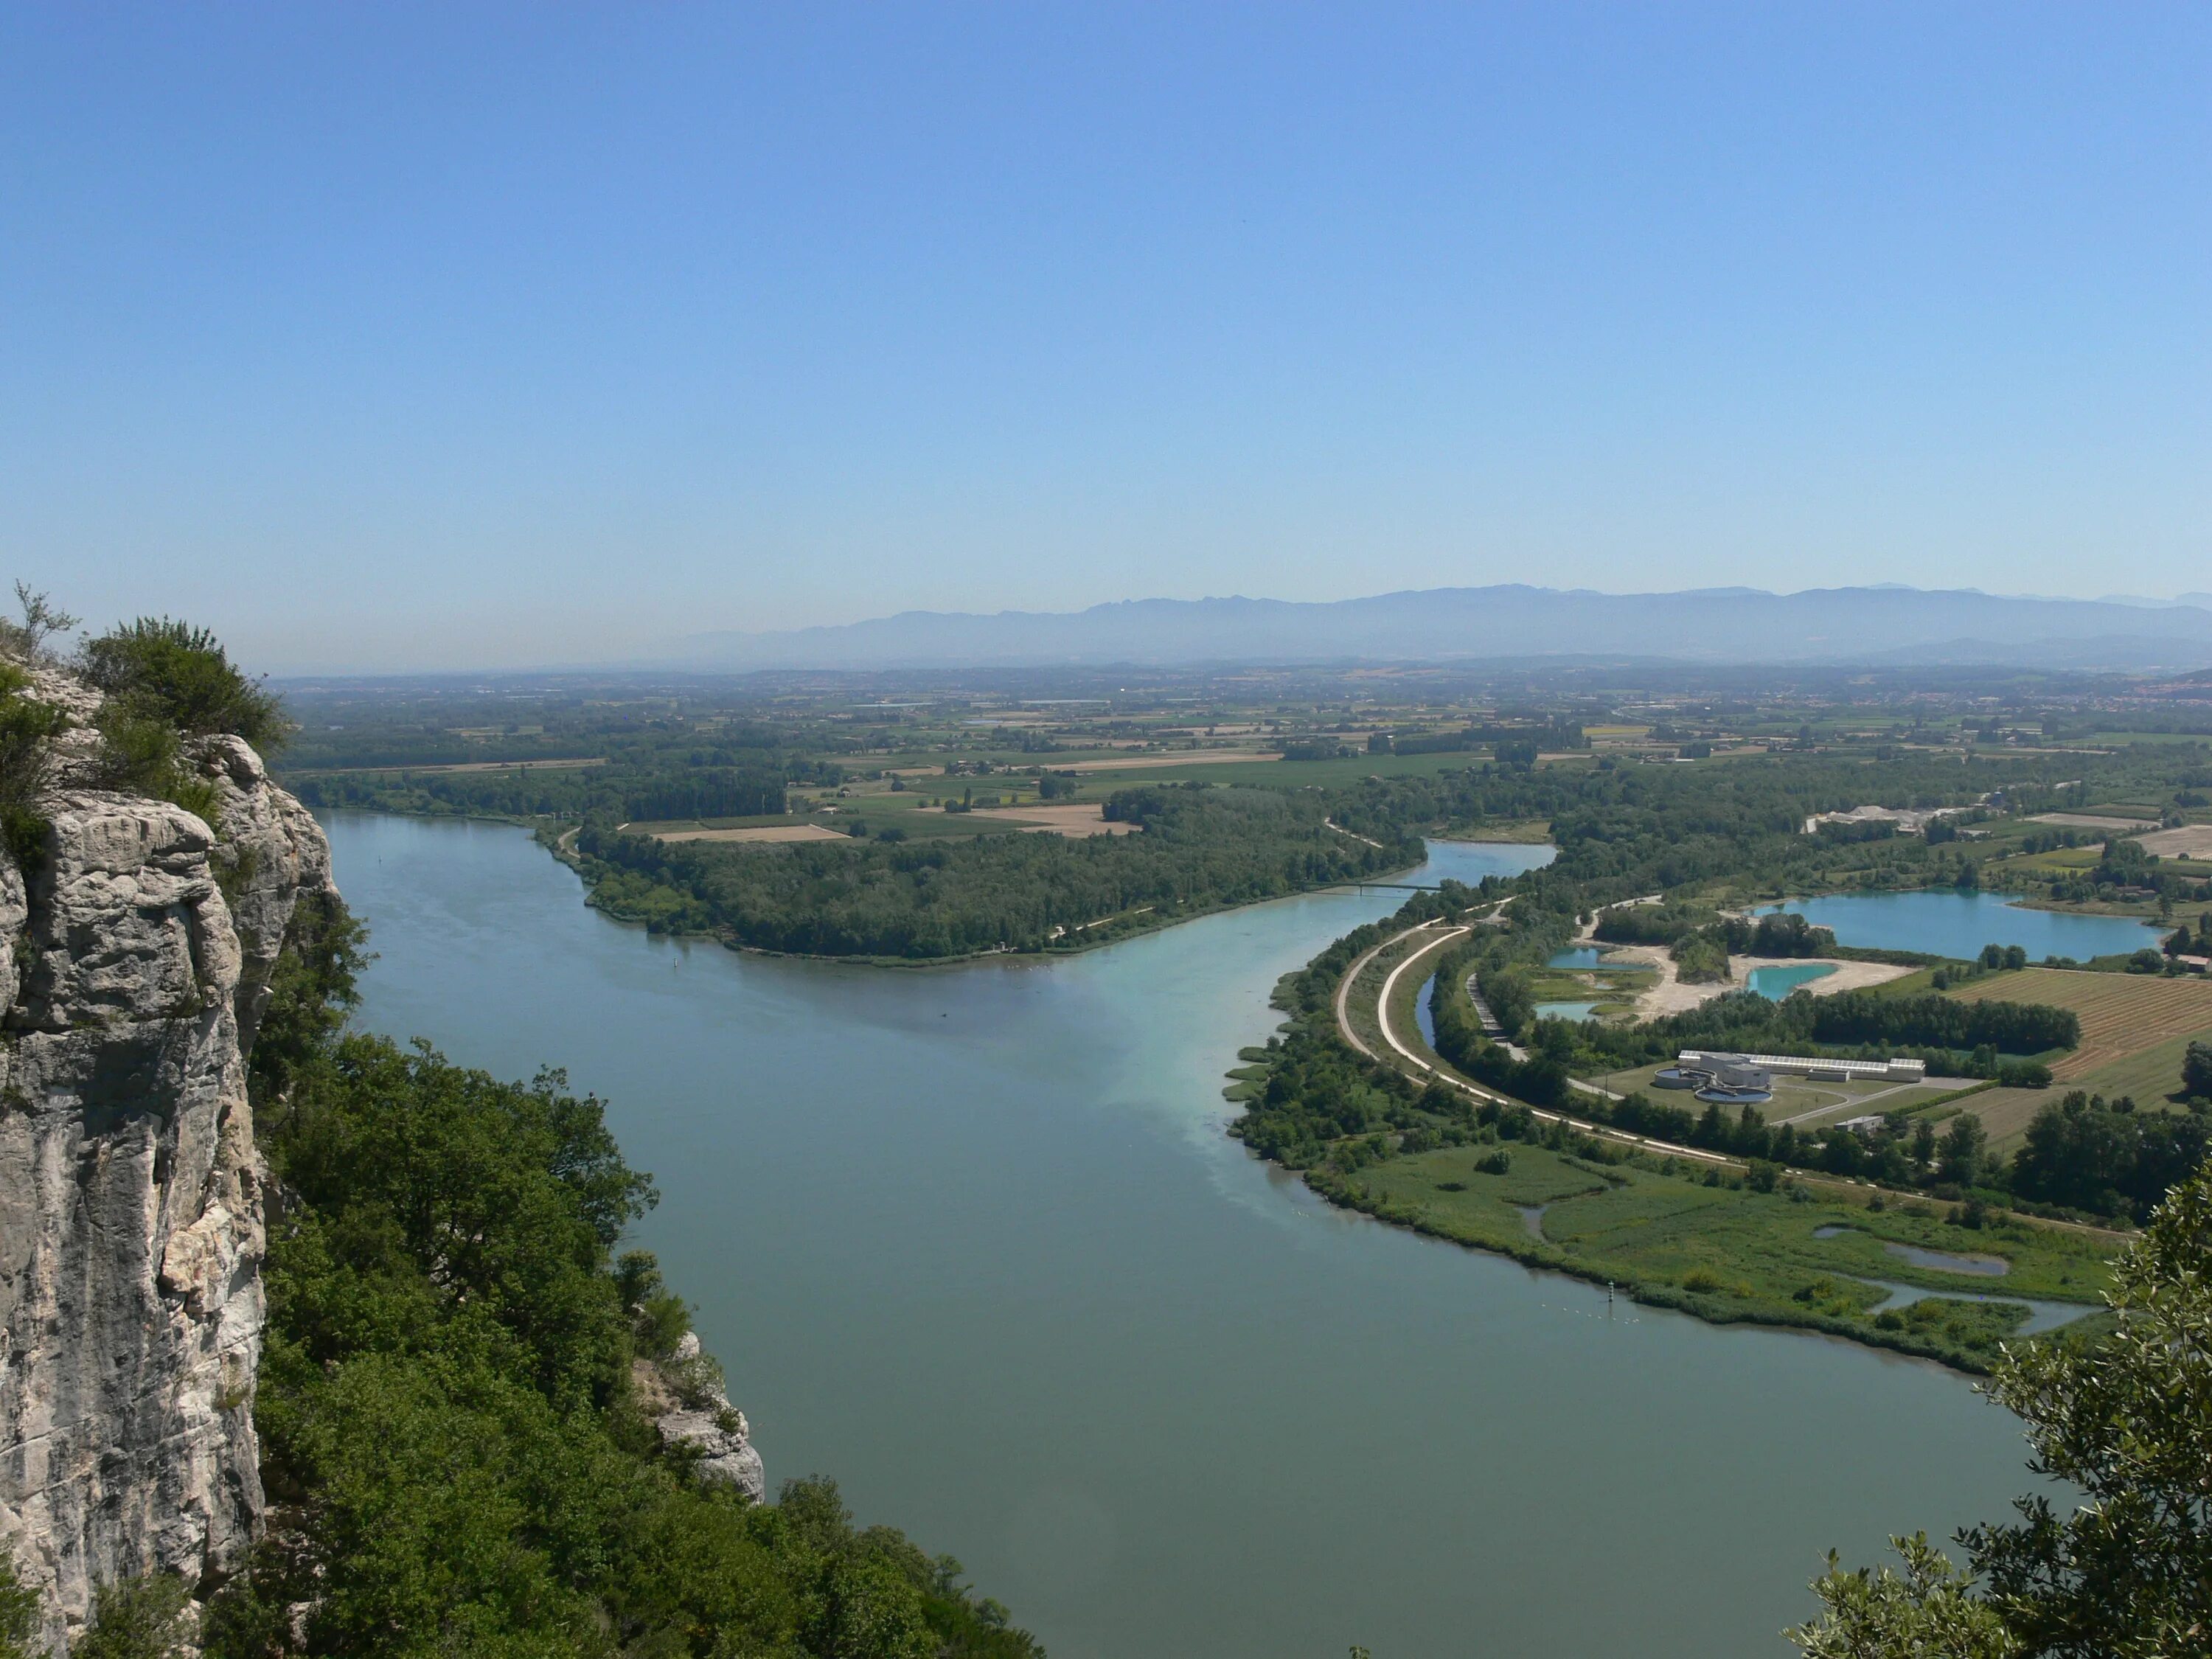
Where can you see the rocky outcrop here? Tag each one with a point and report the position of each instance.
(270, 852)
(136, 953)
(684, 1399)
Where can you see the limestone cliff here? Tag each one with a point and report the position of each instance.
(684, 1399)
(137, 944)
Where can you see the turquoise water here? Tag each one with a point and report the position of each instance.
(1944, 922)
(972, 1241)
(1565, 1010)
(1575, 955)
(1776, 983)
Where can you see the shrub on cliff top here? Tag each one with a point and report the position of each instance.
(25, 640)
(178, 675)
(28, 726)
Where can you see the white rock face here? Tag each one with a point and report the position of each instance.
(691, 1411)
(130, 1209)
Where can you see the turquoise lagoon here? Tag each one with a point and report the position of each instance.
(1776, 983)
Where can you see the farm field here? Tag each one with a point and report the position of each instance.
(2006, 1113)
(759, 832)
(1152, 762)
(1078, 821)
(1262, 771)
(2125, 1017)
(2189, 841)
(567, 765)
(2095, 821)
(2135, 1030)
(877, 811)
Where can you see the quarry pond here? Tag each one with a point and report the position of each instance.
(1946, 922)
(972, 1241)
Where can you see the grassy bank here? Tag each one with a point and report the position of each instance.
(1714, 1248)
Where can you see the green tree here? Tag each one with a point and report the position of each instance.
(18, 1613)
(1924, 1147)
(1929, 1611)
(1963, 1155)
(180, 676)
(137, 1619)
(27, 728)
(2127, 1574)
(2196, 1072)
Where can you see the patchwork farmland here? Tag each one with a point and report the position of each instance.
(2135, 1029)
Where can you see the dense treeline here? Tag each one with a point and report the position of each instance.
(680, 787)
(1932, 1021)
(1627, 831)
(454, 1451)
(1526, 739)
(1197, 848)
(2108, 1158)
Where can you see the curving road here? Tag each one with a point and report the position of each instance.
(1427, 1071)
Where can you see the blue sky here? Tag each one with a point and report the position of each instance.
(391, 336)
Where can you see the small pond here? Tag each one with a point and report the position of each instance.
(1935, 1261)
(1944, 922)
(1575, 955)
(1776, 983)
(1565, 1010)
(1943, 1262)
(1422, 1016)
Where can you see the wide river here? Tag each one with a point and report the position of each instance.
(972, 1241)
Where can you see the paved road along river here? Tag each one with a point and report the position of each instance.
(973, 1242)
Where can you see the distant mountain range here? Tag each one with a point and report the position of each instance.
(1884, 625)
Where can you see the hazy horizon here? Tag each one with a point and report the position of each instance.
(477, 336)
(1688, 627)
